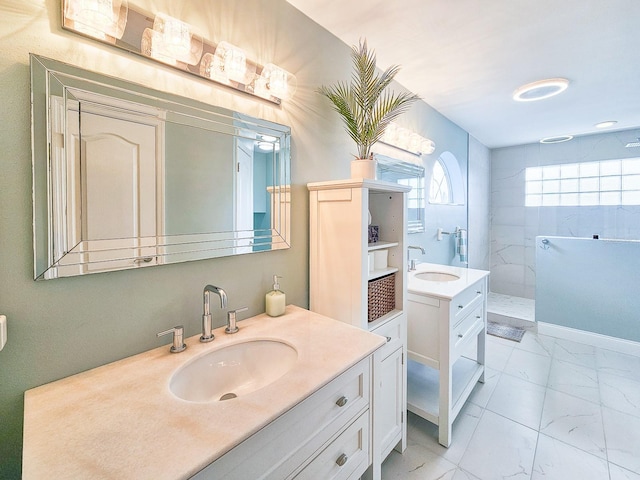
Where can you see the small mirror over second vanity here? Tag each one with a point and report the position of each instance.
(127, 177)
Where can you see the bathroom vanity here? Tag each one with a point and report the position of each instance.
(125, 420)
(447, 318)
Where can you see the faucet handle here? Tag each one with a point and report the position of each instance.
(178, 338)
(231, 320)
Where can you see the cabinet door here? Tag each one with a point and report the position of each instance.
(388, 409)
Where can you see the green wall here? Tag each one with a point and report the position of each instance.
(60, 327)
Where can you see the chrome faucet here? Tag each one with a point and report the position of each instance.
(207, 334)
(412, 263)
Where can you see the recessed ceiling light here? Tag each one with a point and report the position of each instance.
(558, 139)
(540, 89)
(607, 124)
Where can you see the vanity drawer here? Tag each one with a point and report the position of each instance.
(467, 329)
(467, 300)
(299, 432)
(393, 332)
(345, 457)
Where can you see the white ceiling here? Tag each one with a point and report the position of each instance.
(466, 57)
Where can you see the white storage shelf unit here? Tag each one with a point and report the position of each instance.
(339, 248)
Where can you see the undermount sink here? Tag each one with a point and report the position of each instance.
(437, 276)
(233, 371)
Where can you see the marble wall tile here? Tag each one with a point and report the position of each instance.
(507, 199)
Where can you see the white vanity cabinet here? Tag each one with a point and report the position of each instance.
(445, 319)
(325, 436)
(339, 274)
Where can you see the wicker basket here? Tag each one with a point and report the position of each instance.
(382, 296)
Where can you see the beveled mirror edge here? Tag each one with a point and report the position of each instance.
(41, 69)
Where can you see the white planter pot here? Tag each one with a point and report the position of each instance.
(363, 168)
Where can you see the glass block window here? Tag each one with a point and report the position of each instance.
(608, 182)
(440, 189)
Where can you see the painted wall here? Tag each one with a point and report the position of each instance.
(514, 226)
(61, 327)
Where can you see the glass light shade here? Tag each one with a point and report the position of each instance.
(102, 19)
(427, 147)
(275, 81)
(390, 134)
(403, 138)
(232, 62)
(415, 141)
(171, 41)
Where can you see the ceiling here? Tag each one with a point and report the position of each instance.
(466, 57)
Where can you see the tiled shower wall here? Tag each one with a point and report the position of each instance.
(514, 226)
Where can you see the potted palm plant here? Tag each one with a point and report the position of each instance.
(366, 106)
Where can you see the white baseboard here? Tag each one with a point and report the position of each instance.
(597, 340)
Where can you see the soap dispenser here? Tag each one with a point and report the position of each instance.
(275, 299)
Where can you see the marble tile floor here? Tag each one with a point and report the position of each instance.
(549, 409)
(511, 310)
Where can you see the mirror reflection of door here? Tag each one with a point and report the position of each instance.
(243, 218)
(113, 176)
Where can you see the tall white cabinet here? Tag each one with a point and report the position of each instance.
(339, 281)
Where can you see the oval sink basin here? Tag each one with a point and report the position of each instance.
(233, 371)
(436, 276)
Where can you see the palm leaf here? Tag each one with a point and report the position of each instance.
(365, 105)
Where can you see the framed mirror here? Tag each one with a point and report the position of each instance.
(412, 175)
(128, 177)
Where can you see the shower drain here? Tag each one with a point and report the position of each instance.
(228, 396)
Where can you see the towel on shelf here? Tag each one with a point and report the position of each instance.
(462, 245)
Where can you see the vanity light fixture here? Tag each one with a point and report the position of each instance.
(275, 81)
(407, 140)
(606, 124)
(101, 19)
(557, 139)
(170, 41)
(540, 90)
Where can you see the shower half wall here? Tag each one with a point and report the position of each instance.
(589, 285)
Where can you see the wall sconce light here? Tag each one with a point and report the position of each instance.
(228, 63)
(101, 19)
(170, 41)
(275, 81)
(405, 139)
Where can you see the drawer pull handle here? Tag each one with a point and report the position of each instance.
(478, 317)
(342, 459)
(388, 339)
(479, 292)
(342, 401)
(460, 306)
(460, 335)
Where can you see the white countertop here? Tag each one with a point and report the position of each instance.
(446, 290)
(121, 421)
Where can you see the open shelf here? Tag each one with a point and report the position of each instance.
(382, 272)
(423, 387)
(380, 245)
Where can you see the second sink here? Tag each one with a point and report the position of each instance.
(437, 276)
(232, 371)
